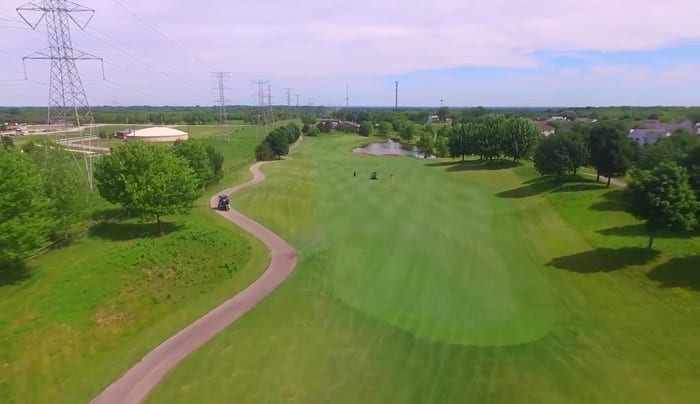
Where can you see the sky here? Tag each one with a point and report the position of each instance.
(461, 53)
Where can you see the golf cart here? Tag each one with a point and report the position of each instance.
(224, 203)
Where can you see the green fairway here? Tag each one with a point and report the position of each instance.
(452, 282)
(79, 316)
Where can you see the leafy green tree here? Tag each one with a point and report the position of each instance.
(442, 146)
(385, 128)
(216, 162)
(325, 126)
(577, 149)
(147, 179)
(293, 132)
(264, 152)
(490, 134)
(197, 158)
(305, 128)
(308, 120)
(25, 220)
(313, 131)
(663, 198)
(609, 148)
(63, 184)
(461, 141)
(520, 138)
(408, 131)
(425, 145)
(279, 143)
(552, 156)
(692, 164)
(366, 128)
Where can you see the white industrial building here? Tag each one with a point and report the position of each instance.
(157, 134)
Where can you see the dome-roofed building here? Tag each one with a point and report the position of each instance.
(157, 134)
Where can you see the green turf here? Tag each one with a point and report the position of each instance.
(453, 282)
(79, 316)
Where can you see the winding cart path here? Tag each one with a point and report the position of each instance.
(137, 382)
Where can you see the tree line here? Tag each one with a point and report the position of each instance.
(44, 197)
(664, 179)
(277, 142)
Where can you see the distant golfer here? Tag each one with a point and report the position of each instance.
(354, 173)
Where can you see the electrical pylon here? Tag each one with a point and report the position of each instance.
(221, 76)
(67, 98)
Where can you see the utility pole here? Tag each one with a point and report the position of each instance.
(396, 95)
(347, 96)
(297, 95)
(221, 76)
(66, 92)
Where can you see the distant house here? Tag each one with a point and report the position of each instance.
(436, 119)
(697, 128)
(585, 121)
(348, 126)
(334, 122)
(672, 126)
(557, 118)
(648, 136)
(545, 129)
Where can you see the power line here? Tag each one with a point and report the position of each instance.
(162, 35)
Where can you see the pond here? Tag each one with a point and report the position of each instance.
(388, 148)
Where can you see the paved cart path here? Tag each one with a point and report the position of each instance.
(137, 382)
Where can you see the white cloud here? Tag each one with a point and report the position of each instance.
(306, 40)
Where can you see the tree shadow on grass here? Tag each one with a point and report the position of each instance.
(475, 165)
(541, 185)
(604, 259)
(13, 273)
(130, 231)
(678, 272)
(614, 202)
(111, 214)
(586, 186)
(641, 230)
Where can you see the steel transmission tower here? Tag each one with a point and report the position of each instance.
(347, 96)
(261, 98)
(221, 77)
(67, 99)
(289, 96)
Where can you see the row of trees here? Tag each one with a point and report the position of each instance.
(603, 146)
(44, 197)
(277, 142)
(493, 136)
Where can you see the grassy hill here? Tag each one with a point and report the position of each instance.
(80, 315)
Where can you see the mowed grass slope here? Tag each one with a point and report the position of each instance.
(452, 282)
(81, 315)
